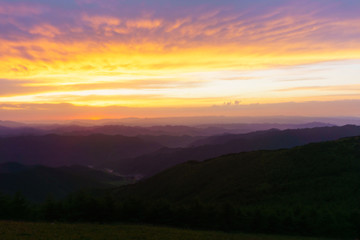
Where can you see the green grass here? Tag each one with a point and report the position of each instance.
(61, 231)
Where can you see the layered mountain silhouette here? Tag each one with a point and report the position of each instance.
(145, 155)
(55, 150)
(18, 129)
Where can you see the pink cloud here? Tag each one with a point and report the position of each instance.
(45, 30)
(97, 21)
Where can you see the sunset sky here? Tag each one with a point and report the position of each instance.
(77, 59)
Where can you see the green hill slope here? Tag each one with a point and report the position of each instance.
(310, 190)
(328, 171)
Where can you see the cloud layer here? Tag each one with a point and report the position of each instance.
(177, 53)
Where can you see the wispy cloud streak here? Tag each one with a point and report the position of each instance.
(120, 52)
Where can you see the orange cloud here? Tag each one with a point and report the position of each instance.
(45, 30)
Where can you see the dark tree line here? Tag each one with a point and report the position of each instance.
(82, 207)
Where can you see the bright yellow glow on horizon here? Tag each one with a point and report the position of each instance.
(151, 76)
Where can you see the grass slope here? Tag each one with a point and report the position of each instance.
(57, 231)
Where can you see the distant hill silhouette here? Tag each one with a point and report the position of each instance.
(171, 136)
(55, 150)
(17, 129)
(179, 130)
(11, 124)
(20, 131)
(38, 182)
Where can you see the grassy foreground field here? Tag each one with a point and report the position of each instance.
(60, 231)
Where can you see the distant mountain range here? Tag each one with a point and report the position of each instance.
(171, 136)
(14, 129)
(148, 155)
(55, 150)
(37, 182)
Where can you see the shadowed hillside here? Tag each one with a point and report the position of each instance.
(312, 174)
(37, 182)
(309, 190)
(162, 159)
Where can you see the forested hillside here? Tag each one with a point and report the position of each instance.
(308, 190)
